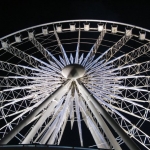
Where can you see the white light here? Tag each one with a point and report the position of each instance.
(72, 26)
(18, 38)
(114, 28)
(128, 31)
(31, 34)
(86, 26)
(73, 71)
(59, 28)
(142, 35)
(4, 44)
(100, 27)
(45, 30)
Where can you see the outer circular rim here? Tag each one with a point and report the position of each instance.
(110, 23)
(77, 20)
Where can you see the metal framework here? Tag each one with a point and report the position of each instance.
(112, 95)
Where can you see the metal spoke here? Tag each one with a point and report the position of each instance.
(16, 69)
(65, 57)
(78, 46)
(94, 49)
(111, 51)
(58, 76)
(25, 57)
(45, 52)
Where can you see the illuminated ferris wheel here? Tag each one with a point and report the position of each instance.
(91, 71)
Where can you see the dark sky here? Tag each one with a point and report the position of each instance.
(18, 14)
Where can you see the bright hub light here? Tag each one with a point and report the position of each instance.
(73, 71)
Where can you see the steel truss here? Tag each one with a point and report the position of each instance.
(114, 89)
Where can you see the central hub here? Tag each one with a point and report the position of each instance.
(73, 71)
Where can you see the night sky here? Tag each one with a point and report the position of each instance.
(19, 14)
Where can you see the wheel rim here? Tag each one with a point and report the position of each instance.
(117, 74)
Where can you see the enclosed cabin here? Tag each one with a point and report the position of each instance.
(45, 30)
(128, 31)
(4, 43)
(72, 27)
(59, 28)
(114, 28)
(86, 26)
(142, 35)
(31, 34)
(100, 27)
(18, 38)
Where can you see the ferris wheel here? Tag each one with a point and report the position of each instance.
(91, 71)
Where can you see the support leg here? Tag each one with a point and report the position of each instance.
(93, 104)
(60, 91)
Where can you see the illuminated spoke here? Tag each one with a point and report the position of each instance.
(56, 77)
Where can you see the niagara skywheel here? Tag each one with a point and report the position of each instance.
(91, 71)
